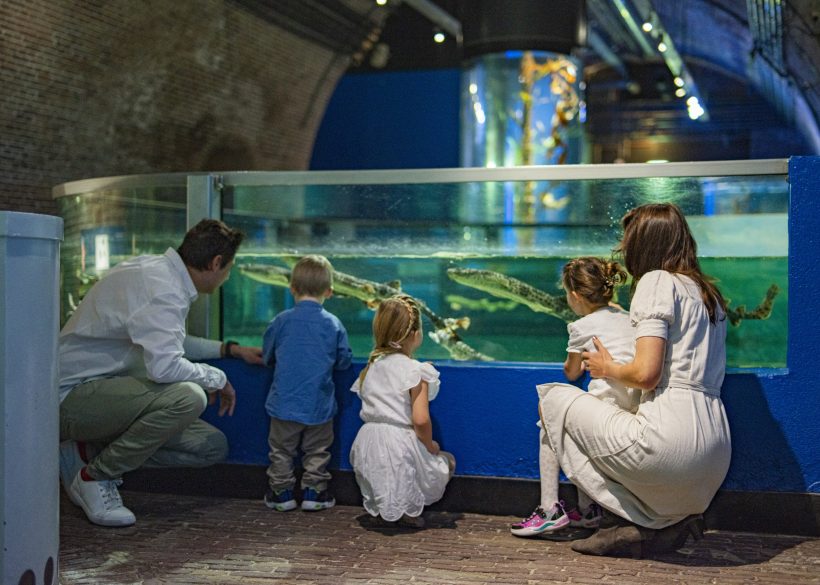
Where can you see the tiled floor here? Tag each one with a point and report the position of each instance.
(183, 539)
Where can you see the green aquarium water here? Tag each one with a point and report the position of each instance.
(498, 328)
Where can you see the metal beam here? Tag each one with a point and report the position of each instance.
(640, 11)
(437, 16)
(597, 44)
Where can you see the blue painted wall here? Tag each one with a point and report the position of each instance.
(486, 414)
(395, 120)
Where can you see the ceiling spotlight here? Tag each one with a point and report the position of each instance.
(380, 55)
(439, 37)
(680, 92)
(679, 82)
(381, 2)
(647, 26)
(662, 47)
(695, 113)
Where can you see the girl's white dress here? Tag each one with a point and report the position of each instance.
(394, 470)
(668, 460)
(613, 328)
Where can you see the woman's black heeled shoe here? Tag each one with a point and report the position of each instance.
(614, 540)
(674, 537)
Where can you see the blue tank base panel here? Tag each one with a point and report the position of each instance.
(486, 415)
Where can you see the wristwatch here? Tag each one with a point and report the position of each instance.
(228, 346)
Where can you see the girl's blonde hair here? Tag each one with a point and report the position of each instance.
(397, 318)
(594, 279)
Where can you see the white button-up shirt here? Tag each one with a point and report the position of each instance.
(132, 323)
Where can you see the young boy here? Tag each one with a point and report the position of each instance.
(304, 344)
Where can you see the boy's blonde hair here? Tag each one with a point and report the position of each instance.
(312, 276)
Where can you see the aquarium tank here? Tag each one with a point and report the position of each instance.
(463, 242)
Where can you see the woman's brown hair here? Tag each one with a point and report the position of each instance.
(594, 279)
(395, 321)
(657, 237)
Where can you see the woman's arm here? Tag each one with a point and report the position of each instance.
(573, 366)
(421, 416)
(643, 372)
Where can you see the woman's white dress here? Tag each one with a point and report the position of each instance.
(668, 460)
(394, 470)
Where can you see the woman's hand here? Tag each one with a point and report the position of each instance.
(433, 448)
(643, 372)
(596, 362)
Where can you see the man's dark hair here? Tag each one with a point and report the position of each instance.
(208, 239)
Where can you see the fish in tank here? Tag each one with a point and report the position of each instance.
(471, 313)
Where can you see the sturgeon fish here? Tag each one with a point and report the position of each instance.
(507, 287)
(371, 293)
(762, 311)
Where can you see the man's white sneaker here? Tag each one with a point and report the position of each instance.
(70, 465)
(101, 502)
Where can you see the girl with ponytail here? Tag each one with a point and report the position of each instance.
(590, 286)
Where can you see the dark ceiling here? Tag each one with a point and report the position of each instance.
(755, 65)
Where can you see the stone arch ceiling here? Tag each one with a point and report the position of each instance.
(778, 54)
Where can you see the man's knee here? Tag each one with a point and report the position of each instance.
(188, 397)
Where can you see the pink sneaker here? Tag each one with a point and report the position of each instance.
(591, 518)
(539, 521)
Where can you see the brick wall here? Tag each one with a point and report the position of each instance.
(113, 87)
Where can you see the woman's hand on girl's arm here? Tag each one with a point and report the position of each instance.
(420, 414)
(643, 372)
(598, 361)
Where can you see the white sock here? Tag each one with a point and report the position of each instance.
(548, 464)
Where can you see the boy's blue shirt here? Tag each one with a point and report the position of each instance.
(304, 345)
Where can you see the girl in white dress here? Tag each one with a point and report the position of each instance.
(590, 285)
(657, 470)
(398, 466)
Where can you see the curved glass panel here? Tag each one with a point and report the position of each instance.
(105, 225)
(465, 244)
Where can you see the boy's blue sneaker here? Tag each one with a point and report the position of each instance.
(280, 500)
(313, 501)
